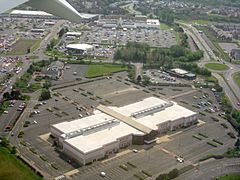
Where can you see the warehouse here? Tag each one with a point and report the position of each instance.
(111, 128)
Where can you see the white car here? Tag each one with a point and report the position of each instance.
(103, 174)
(135, 150)
(180, 160)
(80, 115)
(5, 112)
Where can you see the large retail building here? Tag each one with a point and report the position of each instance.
(112, 128)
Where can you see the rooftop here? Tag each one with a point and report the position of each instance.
(83, 47)
(30, 13)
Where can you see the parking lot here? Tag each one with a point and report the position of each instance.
(116, 91)
(159, 76)
(155, 38)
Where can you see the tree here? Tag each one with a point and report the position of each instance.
(139, 78)
(237, 144)
(5, 142)
(173, 173)
(45, 95)
(6, 95)
(13, 150)
(15, 94)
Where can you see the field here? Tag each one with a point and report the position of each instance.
(11, 168)
(201, 22)
(217, 66)
(95, 70)
(236, 78)
(164, 26)
(230, 177)
(22, 45)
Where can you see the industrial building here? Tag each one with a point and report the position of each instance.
(111, 128)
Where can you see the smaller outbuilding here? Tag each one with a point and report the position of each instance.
(235, 54)
(54, 70)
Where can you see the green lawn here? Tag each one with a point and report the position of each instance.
(95, 70)
(201, 22)
(164, 26)
(236, 78)
(217, 66)
(11, 168)
(230, 177)
(22, 45)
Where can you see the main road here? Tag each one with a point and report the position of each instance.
(225, 78)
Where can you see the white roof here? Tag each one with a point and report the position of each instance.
(73, 33)
(171, 113)
(97, 139)
(179, 71)
(83, 47)
(30, 13)
(153, 22)
(100, 137)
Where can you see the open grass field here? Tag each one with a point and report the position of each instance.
(164, 26)
(201, 22)
(22, 45)
(230, 177)
(95, 70)
(236, 78)
(217, 66)
(11, 168)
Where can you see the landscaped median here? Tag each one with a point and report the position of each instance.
(236, 78)
(216, 66)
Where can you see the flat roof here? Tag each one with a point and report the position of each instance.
(153, 21)
(83, 47)
(125, 119)
(73, 33)
(171, 113)
(30, 13)
(179, 71)
(96, 139)
(155, 111)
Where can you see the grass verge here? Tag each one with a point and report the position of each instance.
(217, 66)
(11, 168)
(95, 70)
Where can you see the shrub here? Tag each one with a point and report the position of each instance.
(197, 137)
(219, 142)
(124, 167)
(146, 173)
(212, 144)
(203, 135)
